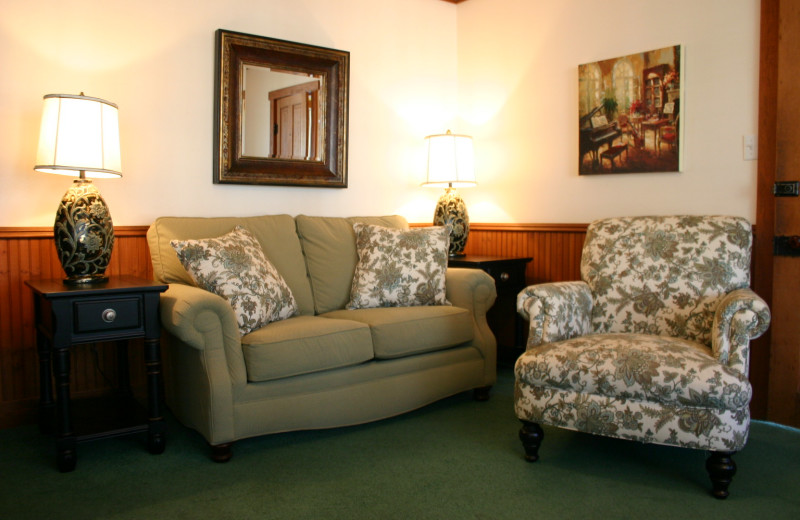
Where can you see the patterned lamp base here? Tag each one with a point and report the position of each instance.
(84, 234)
(451, 211)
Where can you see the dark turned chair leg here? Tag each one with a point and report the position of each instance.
(221, 452)
(721, 468)
(482, 393)
(531, 435)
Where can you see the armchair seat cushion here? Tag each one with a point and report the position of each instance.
(637, 367)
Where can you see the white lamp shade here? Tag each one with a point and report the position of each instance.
(451, 161)
(79, 134)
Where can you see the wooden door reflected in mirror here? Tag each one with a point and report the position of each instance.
(294, 121)
(281, 114)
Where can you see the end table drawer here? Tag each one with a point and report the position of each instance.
(101, 315)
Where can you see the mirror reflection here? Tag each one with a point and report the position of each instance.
(281, 114)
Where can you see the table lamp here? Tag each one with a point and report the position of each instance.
(79, 136)
(451, 165)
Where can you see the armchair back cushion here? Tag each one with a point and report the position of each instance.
(664, 275)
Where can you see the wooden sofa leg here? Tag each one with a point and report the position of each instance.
(531, 435)
(721, 468)
(482, 393)
(221, 452)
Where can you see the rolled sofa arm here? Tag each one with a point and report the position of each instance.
(471, 289)
(205, 360)
(204, 321)
(474, 290)
(556, 311)
(741, 316)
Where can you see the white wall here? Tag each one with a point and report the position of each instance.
(155, 59)
(518, 85)
(508, 68)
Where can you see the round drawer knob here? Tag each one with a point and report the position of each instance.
(504, 277)
(109, 315)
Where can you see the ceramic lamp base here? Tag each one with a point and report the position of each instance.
(84, 234)
(451, 211)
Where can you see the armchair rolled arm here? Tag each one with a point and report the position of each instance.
(741, 316)
(556, 311)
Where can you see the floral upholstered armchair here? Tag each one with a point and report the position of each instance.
(652, 345)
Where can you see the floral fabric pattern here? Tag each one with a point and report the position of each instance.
(637, 367)
(664, 275)
(556, 311)
(653, 344)
(399, 268)
(234, 266)
(742, 315)
(672, 425)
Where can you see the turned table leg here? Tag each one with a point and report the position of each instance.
(66, 442)
(156, 427)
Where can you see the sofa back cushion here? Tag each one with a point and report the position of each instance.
(329, 246)
(275, 233)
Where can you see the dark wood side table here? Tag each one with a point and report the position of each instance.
(120, 309)
(509, 278)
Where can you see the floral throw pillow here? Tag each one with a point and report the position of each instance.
(234, 267)
(399, 268)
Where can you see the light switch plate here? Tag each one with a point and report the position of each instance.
(750, 145)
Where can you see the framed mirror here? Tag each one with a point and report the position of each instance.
(280, 112)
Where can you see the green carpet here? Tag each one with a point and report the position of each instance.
(457, 458)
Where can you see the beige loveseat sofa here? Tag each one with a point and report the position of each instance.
(325, 366)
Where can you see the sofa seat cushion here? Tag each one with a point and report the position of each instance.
(305, 344)
(638, 367)
(403, 331)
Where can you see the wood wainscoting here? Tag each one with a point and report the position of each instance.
(27, 253)
(555, 248)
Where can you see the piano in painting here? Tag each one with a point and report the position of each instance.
(594, 133)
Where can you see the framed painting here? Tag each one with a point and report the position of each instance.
(630, 113)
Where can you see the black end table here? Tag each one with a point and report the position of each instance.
(509, 278)
(120, 309)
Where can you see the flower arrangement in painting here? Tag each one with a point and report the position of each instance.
(671, 78)
(637, 107)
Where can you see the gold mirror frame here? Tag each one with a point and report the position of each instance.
(234, 51)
